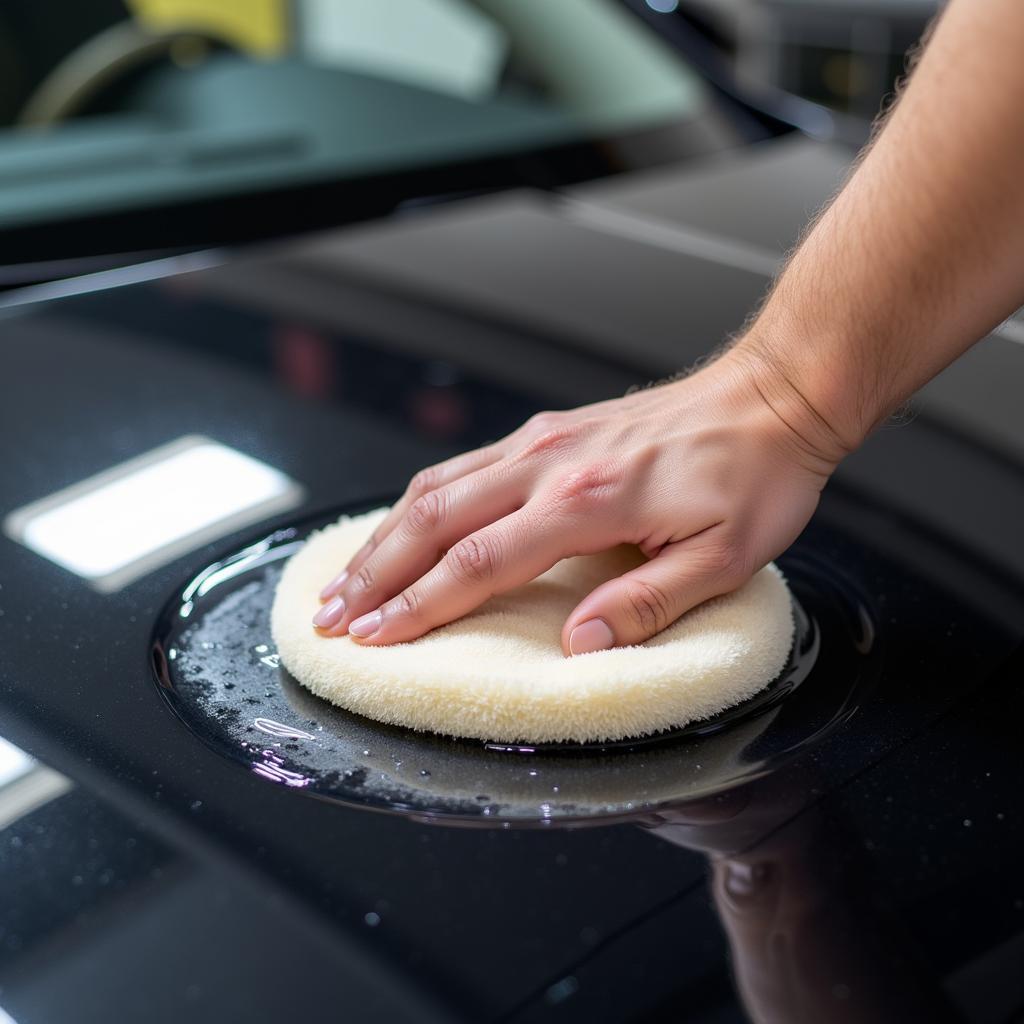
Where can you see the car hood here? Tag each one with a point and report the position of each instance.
(148, 875)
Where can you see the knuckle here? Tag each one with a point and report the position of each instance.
(425, 480)
(407, 604)
(427, 512)
(552, 441)
(585, 486)
(365, 579)
(648, 606)
(542, 421)
(473, 560)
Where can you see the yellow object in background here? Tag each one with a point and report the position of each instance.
(259, 27)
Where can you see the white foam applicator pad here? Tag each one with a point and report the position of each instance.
(499, 673)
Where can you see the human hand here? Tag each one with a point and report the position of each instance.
(809, 939)
(711, 476)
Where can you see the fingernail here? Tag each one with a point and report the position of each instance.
(334, 586)
(366, 625)
(592, 635)
(330, 614)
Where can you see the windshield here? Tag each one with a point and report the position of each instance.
(115, 105)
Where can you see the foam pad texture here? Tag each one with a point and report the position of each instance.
(499, 674)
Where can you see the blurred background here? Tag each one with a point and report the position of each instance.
(126, 126)
(845, 54)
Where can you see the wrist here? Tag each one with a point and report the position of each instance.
(803, 405)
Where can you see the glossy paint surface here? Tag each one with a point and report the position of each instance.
(873, 876)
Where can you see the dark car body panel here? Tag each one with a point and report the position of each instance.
(168, 882)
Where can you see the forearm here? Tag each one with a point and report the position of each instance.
(921, 253)
(715, 474)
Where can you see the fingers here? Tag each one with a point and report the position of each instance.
(424, 481)
(433, 523)
(489, 561)
(642, 602)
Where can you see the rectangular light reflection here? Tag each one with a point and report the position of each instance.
(120, 524)
(13, 764)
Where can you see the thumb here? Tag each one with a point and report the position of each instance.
(642, 602)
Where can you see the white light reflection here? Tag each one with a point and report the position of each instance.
(272, 768)
(25, 784)
(132, 518)
(13, 764)
(118, 277)
(287, 732)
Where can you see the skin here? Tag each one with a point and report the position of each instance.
(917, 257)
(812, 935)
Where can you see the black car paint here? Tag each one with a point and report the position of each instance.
(170, 882)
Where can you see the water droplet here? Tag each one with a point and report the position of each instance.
(425, 773)
(195, 805)
(372, 919)
(968, 823)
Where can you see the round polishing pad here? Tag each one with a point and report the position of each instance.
(499, 674)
